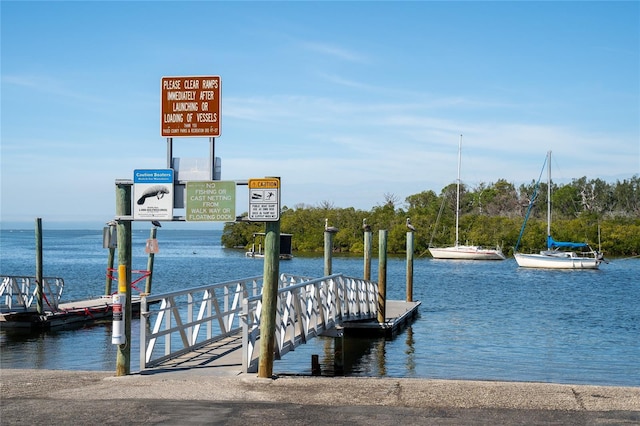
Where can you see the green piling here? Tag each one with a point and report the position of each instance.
(123, 212)
(328, 253)
(269, 299)
(39, 286)
(109, 278)
(147, 287)
(367, 255)
(382, 275)
(410, 266)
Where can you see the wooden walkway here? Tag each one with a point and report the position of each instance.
(224, 357)
(220, 358)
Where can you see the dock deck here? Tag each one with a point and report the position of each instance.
(67, 315)
(398, 314)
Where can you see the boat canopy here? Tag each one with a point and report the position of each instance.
(551, 243)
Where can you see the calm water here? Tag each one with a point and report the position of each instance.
(478, 320)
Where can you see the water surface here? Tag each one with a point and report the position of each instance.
(478, 320)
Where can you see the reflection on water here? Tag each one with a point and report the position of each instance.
(478, 320)
(350, 355)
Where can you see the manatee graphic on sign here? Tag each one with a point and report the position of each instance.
(153, 194)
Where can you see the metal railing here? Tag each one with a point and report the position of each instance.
(304, 310)
(189, 319)
(17, 293)
(176, 323)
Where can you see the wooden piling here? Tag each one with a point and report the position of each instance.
(338, 356)
(328, 253)
(269, 299)
(147, 287)
(367, 255)
(109, 279)
(123, 209)
(316, 370)
(39, 287)
(410, 249)
(382, 275)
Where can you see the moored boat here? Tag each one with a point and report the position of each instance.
(468, 252)
(285, 246)
(559, 254)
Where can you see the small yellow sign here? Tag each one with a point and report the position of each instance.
(264, 183)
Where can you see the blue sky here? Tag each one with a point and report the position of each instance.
(345, 101)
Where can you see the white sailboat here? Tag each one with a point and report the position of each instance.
(559, 254)
(466, 252)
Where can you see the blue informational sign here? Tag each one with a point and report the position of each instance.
(153, 194)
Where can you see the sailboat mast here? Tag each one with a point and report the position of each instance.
(458, 187)
(548, 198)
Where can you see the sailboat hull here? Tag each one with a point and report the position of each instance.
(546, 261)
(466, 252)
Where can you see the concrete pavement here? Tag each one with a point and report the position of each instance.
(196, 396)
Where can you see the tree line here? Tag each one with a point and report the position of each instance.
(605, 215)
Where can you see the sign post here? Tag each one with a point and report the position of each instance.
(264, 206)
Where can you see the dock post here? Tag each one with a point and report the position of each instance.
(409, 266)
(338, 355)
(39, 286)
(367, 255)
(315, 365)
(328, 244)
(123, 209)
(147, 287)
(269, 299)
(109, 279)
(382, 275)
(109, 241)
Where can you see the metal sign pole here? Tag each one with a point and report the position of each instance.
(212, 158)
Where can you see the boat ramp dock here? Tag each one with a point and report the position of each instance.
(219, 325)
(224, 356)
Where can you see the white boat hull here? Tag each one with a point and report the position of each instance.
(283, 256)
(466, 253)
(546, 261)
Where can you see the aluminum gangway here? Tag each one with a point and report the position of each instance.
(182, 324)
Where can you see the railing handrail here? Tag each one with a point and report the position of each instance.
(17, 290)
(157, 297)
(306, 307)
(297, 286)
(305, 310)
(204, 306)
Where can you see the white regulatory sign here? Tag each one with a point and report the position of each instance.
(264, 200)
(153, 194)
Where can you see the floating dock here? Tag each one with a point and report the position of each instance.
(398, 314)
(67, 315)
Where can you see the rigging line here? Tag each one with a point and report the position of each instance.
(533, 197)
(629, 258)
(435, 227)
